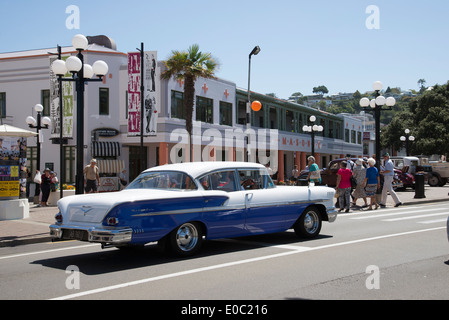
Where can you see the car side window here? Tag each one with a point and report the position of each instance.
(251, 180)
(223, 180)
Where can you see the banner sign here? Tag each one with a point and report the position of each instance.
(151, 94)
(68, 104)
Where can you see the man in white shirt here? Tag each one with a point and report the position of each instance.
(388, 174)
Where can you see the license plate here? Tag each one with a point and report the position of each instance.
(75, 235)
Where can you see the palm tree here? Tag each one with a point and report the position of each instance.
(189, 66)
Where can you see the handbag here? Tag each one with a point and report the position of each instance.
(38, 178)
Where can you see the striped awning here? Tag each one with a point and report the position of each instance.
(110, 166)
(105, 149)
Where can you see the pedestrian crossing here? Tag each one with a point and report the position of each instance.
(427, 215)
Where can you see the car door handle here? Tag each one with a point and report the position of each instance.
(248, 197)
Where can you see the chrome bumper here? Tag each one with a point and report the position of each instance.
(105, 236)
(332, 214)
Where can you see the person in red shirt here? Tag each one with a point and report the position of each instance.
(344, 186)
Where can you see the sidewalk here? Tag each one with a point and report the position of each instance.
(35, 229)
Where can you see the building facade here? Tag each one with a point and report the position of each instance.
(220, 132)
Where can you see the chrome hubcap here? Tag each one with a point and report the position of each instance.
(187, 237)
(311, 222)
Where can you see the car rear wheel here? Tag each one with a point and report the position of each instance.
(187, 239)
(309, 224)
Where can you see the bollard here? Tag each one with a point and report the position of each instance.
(419, 186)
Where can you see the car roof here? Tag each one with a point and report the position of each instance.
(196, 169)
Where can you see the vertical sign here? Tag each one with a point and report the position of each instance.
(68, 104)
(151, 94)
(151, 102)
(134, 94)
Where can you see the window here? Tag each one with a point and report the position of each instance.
(224, 181)
(32, 160)
(204, 110)
(3, 104)
(359, 137)
(255, 179)
(225, 113)
(353, 136)
(273, 118)
(104, 102)
(347, 133)
(241, 112)
(177, 105)
(45, 101)
(165, 180)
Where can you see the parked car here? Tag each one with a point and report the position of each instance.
(180, 204)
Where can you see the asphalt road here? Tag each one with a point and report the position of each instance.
(397, 253)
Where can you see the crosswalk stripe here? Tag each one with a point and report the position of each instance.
(417, 217)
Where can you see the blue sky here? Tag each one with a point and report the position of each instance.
(304, 43)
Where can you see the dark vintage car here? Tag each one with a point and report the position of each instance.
(329, 175)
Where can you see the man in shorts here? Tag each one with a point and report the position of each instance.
(92, 177)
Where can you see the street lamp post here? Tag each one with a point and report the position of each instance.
(254, 52)
(376, 106)
(38, 124)
(312, 129)
(81, 74)
(406, 139)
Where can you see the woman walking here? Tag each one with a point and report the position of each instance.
(314, 171)
(372, 182)
(344, 186)
(359, 174)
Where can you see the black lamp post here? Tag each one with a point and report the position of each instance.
(254, 52)
(406, 139)
(312, 129)
(376, 106)
(82, 74)
(38, 124)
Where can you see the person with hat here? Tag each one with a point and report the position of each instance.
(92, 176)
(388, 174)
(45, 187)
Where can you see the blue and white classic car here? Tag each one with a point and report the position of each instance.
(180, 205)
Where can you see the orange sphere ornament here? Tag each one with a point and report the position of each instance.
(256, 106)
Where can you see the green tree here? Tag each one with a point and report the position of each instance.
(189, 66)
(320, 90)
(431, 120)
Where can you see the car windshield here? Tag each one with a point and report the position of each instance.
(165, 180)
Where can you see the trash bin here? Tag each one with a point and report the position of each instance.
(419, 186)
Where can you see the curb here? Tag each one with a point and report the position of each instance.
(24, 241)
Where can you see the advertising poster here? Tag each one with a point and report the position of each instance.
(152, 82)
(68, 104)
(151, 94)
(134, 76)
(12, 165)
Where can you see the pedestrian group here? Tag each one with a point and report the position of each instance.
(353, 179)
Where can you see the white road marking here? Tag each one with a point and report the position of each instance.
(418, 217)
(433, 221)
(396, 214)
(47, 251)
(235, 263)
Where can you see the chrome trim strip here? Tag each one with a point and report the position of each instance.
(228, 208)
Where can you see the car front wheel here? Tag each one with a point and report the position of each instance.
(309, 224)
(186, 240)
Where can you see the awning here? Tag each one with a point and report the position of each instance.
(110, 166)
(105, 149)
